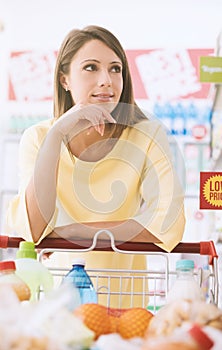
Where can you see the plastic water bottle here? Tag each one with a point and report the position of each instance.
(80, 279)
(185, 285)
(31, 271)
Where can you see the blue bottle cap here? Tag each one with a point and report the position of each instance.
(184, 264)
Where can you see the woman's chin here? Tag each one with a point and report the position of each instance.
(108, 106)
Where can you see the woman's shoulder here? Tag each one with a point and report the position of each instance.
(37, 132)
(42, 126)
(147, 132)
(148, 127)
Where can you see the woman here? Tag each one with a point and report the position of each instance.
(100, 163)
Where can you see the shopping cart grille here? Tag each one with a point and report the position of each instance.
(150, 286)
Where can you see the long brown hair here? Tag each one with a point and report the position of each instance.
(127, 112)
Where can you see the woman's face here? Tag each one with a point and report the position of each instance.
(95, 75)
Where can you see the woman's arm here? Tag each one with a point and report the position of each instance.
(163, 195)
(41, 190)
(122, 231)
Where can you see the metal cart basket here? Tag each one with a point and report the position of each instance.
(156, 279)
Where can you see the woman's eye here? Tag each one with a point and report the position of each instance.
(90, 67)
(116, 69)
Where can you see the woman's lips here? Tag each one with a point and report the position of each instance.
(103, 97)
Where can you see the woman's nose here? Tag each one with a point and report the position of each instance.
(104, 78)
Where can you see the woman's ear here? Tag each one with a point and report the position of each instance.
(63, 81)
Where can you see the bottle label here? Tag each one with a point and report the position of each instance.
(81, 282)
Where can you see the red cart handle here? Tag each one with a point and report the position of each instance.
(202, 248)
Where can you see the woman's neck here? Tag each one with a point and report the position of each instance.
(89, 145)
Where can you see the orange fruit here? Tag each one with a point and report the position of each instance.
(113, 324)
(128, 323)
(95, 317)
(134, 322)
(115, 312)
(114, 315)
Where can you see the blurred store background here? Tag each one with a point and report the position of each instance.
(164, 40)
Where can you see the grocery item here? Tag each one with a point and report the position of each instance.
(134, 323)
(115, 341)
(43, 325)
(180, 312)
(114, 316)
(186, 338)
(31, 271)
(185, 285)
(95, 317)
(128, 323)
(81, 281)
(179, 345)
(8, 277)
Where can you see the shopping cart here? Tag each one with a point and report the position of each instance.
(155, 280)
